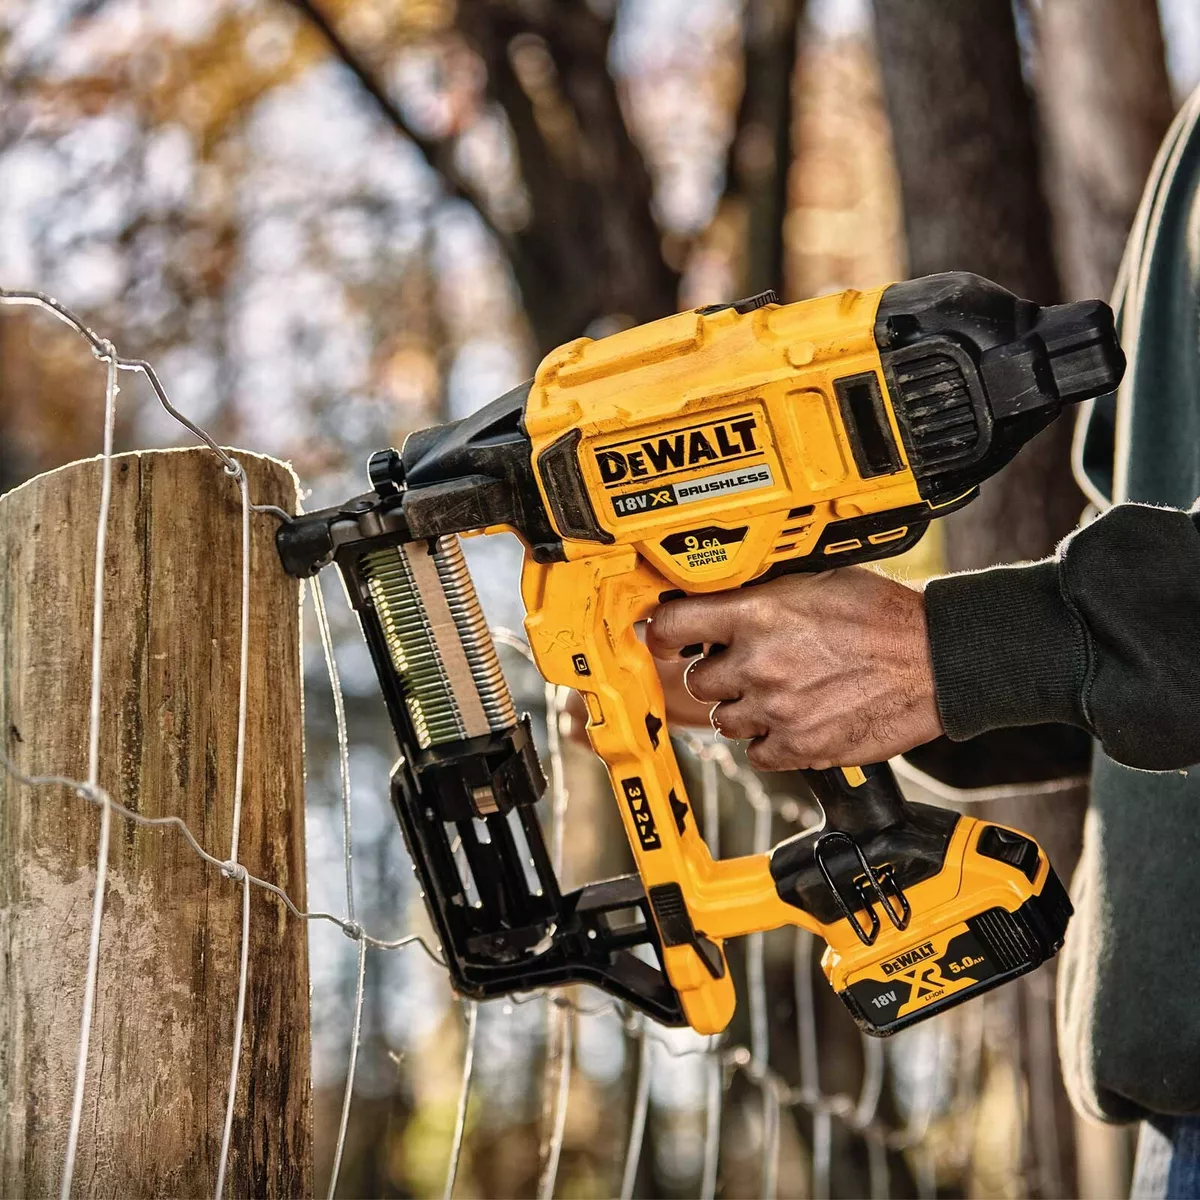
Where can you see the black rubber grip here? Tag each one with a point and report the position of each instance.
(870, 807)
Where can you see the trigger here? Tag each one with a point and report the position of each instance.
(710, 955)
(675, 926)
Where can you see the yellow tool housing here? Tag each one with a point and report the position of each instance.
(710, 450)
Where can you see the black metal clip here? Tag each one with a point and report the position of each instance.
(885, 880)
(869, 884)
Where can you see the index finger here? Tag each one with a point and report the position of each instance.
(692, 620)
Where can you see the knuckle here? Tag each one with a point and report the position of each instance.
(696, 680)
(730, 721)
(794, 755)
(663, 624)
(721, 679)
(758, 609)
(747, 718)
(754, 668)
(763, 756)
(762, 670)
(730, 729)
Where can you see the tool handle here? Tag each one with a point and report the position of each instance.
(580, 618)
(859, 801)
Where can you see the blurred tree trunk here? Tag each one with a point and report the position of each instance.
(967, 152)
(967, 155)
(760, 155)
(1105, 106)
(591, 248)
(51, 400)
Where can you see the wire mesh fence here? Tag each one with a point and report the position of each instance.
(747, 1113)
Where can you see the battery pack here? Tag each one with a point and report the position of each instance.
(959, 962)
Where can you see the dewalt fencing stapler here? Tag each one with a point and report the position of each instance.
(709, 450)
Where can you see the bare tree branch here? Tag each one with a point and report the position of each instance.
(436, 153)
(592, 247)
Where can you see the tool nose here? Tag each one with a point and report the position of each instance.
(1085, 356)
(1070, 352)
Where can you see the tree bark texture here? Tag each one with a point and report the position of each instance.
(760, 156)
(161, 1042)
(966, 149)
(1105, 106)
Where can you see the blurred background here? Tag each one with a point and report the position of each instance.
(330, 222)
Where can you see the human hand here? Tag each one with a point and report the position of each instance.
(682, 708)
(818, 670)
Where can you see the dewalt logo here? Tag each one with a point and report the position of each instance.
(623, 463)
(908, 958)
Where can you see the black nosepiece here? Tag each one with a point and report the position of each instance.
(974, 372)
(1068, 353)
(1081, 343)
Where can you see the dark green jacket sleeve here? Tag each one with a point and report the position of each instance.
(1105, 636)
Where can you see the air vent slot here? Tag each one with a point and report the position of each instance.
(939, 406)
(799, 523)
(866, 423)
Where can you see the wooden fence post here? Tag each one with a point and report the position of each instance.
(162, 1038)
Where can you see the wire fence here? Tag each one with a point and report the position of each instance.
(922, 1078)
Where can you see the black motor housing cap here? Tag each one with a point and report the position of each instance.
(975, 372)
